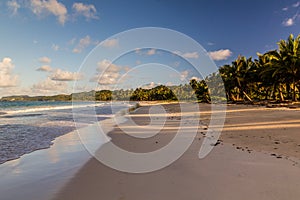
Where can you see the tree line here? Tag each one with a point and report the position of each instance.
(274, 75)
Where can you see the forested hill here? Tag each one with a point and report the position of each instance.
(181, 92)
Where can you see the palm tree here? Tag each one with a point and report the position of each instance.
(269, 82)
(228, 75)
(286, 63)
(201, 90)
(237, 78)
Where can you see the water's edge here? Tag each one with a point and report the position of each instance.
(48, 170)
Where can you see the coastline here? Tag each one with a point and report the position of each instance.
(41, 173)
(234, 169)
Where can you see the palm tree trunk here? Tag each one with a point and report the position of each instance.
(288, 90)
(294, 90)
(232, 97)
(280, 93)
(274, 92)
(249, 99)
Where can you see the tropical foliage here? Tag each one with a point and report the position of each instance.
(274, 75)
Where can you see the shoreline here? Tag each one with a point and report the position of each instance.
(48, 140)
(237, 139)
(248, 174)
(47, 169)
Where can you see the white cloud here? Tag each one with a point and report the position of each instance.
(193, 55)
(150, 85)
(190, 55)
(110, 43)
(143, 51)
(106, 65)
(55, 47)
(13, 6)
(222, 54)
(184, 75)
(45, 59)
(291, 20)
(50, 85)
(288, 22)
(87, 10)
(108, 73)
(43, 7)
(45, 68)
(151, 52)
(296, 5)
(60, 75)
(83, 43)
(7, 79)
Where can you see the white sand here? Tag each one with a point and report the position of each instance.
(227, 173)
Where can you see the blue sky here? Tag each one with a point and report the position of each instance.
(44, 42)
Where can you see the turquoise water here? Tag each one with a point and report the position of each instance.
(29, 126)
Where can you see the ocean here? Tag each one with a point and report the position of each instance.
(29, 126)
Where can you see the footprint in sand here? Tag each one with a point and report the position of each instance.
(276, 142)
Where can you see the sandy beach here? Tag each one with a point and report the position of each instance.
(256, 158)
(218, 84)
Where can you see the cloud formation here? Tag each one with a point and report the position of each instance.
(83, 43)
(110, 43)
(151, 52)
(43, 8)
(87, 10)
(189, 55)
(60, 75)
(52, 7)
(45, 60)
(107, 73)
(222, 54)
(146, 51)
(50, 85)
(13, 6)
(7, 78)
(44, 68)
(184, 75)
(296, 5)
(150, 85)
(288, 22)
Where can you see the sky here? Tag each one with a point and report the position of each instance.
(53, 46)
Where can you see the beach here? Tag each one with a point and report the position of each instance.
(256, 157)
(150, 100)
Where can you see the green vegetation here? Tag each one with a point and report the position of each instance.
(60, 97)
(274, 75)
